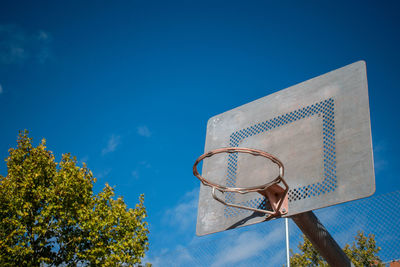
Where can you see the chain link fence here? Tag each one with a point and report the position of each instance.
(264, 244)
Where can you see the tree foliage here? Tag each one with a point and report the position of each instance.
(363, 252)
(308, 256)
(50, 215)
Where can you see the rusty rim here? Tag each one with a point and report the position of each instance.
(241, 190)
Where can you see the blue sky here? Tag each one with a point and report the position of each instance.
(128, 86)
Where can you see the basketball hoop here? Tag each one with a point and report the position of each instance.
(276, 194)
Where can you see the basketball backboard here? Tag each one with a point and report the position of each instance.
(319, 129)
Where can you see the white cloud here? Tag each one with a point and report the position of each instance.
(183, 215)
(145, 164)
(135, 174)
(42, 35)
(380, 158)
(17, 45)
(103, 173)
(380, 146)
(380, 164)
(139, 168)
(183, 256)
(179, 257)
(248, 245)
(112, 144)
(143, 131)
(231, 248)
(85, 159)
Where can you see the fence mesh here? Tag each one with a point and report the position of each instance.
(264, 244)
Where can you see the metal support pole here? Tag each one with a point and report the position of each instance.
(287, 242)
(321, 239)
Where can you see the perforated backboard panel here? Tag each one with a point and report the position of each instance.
(320, 130)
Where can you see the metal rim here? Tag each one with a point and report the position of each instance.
(242, 190)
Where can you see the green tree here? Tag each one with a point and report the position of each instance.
(50, 215)
(308, 256)
(363, 252)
